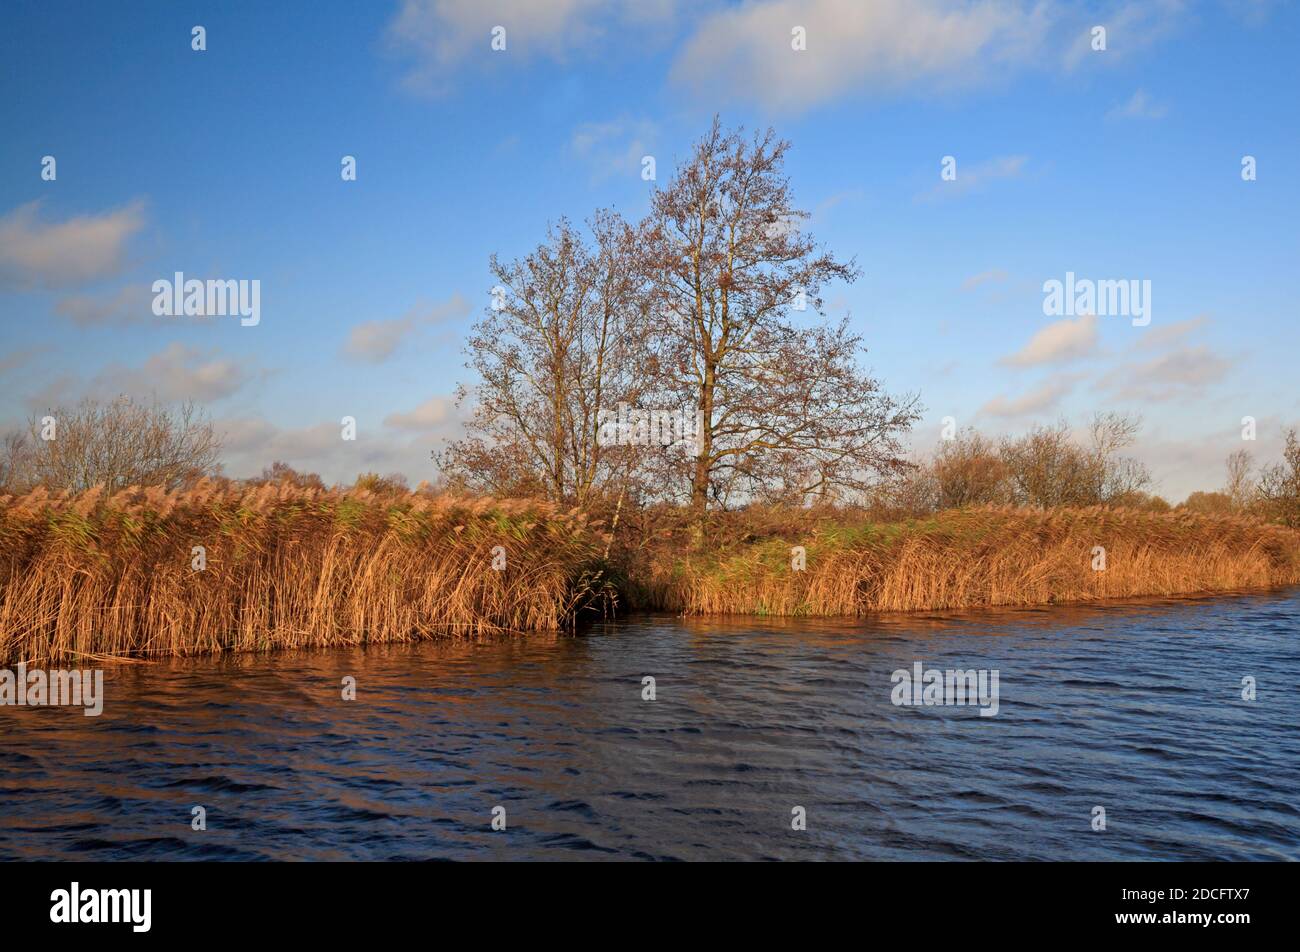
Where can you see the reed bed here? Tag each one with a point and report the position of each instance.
(976, 558)
(96, 576)
(93, 576)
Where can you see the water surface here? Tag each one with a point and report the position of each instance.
(1135, 707)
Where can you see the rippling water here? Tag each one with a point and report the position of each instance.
(1133, 707)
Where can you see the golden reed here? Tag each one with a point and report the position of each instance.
(95, 576)
(984, 557)
(90, 576)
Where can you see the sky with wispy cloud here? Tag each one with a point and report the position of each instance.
(225, 163)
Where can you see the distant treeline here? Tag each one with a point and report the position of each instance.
(1050, 467)
(126, 443)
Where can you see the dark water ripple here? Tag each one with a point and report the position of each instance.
(1134, 707)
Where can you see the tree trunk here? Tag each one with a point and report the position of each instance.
(700, 480)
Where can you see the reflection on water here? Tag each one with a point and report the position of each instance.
(1133, 707)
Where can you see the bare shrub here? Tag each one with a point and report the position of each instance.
(280, 472)
(1049, 468)
(1213, 504)
(1279, 485)
(1240, 487)
(968, 471)
(116, 444)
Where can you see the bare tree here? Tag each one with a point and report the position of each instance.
(17, 471)
(393, 483)
(561, 343)
(281, 472)
(120, 443)
(1209, 503)
(968, 472)
(729, 262)
(908, 493)
(1240, 487)
(1115, 478)
(1049, 468)
(1279, 484)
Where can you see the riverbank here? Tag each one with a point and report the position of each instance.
(148, 573)
(978, 558)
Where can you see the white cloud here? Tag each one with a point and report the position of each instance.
(376, 341)
(1130, 28)
(176, 373)
(615, 147)
(1188, 461)
(831, 202)
(1138, 106)
(1182, 372)
(267, 441)
(249, 444)
(1254, 13)
(976, 177)
(1166, 334)
(35, 253)
(440, 38)
(128, 305)
(19, 358)
(1036, 401)
(744, 52)
(992, 276)
(1058, 342)
(1178, 370)
(429, 415)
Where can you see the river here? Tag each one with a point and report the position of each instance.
(1134, 707)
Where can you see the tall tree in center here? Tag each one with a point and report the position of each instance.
(781, 404)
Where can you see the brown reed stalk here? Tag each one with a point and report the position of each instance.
(975, 558)
(94, 576)
(285, 568)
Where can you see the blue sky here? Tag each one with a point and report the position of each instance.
(225, 163)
